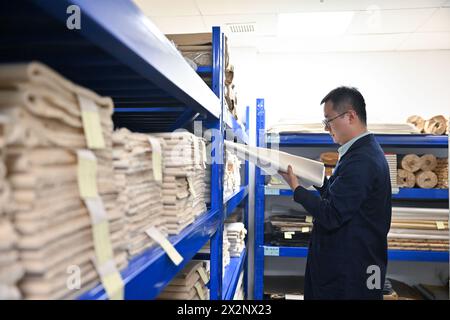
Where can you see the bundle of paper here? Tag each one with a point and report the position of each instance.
(309, 171)
(235, 233)
(51, 118)
(138, 169)
(392, 162)
(11, 269)
(232, 174)
(189, 284)
(288, 230)
(419, 229)
(376, 128)
(442, 173)
(183, 179)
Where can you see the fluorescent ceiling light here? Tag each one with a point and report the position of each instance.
(314, 23)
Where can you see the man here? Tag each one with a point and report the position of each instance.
(347, 255)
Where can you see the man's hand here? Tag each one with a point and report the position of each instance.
(290, 178)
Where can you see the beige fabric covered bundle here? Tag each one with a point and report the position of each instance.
(183, 179)
(419, 229)
(53, 224)
(11, 269)
(140, 192)
(189, 284)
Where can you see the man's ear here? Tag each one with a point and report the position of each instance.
(352, 115)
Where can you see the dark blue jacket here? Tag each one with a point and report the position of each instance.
(351, 219)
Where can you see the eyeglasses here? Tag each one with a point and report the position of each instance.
(327, 122)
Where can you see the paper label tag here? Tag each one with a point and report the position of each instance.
(87, 174)
(274, 138)
(196, 141)
(440, 225)
(159, 238)
(205, 159)
(102, 243)
(191, 187)
(156, 158)
(96, 210)
(309, 219)
(271, 251)
(199, 290)
(272, 191)
(305, 229)
(113, 284)
(293, 296)
(288, 234)
(91, 123)
(203, 275)
(111, 280)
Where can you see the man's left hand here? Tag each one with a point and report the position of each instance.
(290, 178)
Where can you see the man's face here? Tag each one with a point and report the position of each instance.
(338, 127)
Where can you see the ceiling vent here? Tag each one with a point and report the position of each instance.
(241, 28)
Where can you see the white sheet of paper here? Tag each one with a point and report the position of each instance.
(310, 172)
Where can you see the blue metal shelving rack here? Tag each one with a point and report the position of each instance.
(118, 52)
(324, 140)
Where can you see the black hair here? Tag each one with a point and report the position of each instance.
(343, 96)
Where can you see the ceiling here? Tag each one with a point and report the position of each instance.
(374, 26)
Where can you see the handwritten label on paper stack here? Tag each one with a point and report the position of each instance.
(159, 238)
(288, 234)
(87, 174)
(91, 123)
(104, 257)
(203, 275)
(440, 225)
(199, 290)
(156, 158)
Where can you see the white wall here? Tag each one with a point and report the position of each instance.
(394, 84)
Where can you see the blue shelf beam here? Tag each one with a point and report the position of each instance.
(231, 275)
(403, 194)
(205, 69)
(129, 60)
(148, 274)
(235, 199)
(385, 140)
(393, 255)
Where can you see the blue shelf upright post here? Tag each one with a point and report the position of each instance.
(246, 182)
(259, 207)
(217, 168)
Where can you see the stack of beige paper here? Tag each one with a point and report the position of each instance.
(236, 237)
(225, 250)
(196, 48)
(189, 284)
(54, 226)
(183, 179)
(392, 162)
(376, 128)
(231, 175)
(10, 268)
(442, 173)
(419, 229)
(138, 174)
